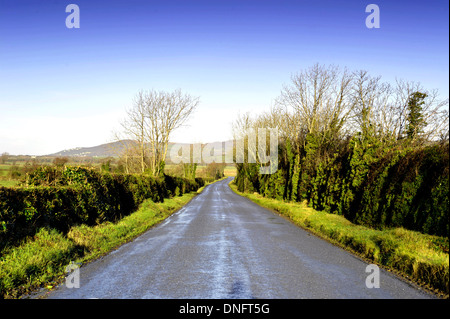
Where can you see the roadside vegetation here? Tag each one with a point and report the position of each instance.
(370, 156)
(418, 257)
(57, 210)
(14, 168)
(40, 261)
(58, 214)
(361, 162)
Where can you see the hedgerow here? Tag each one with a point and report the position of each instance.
(366, 182)
(59, 198)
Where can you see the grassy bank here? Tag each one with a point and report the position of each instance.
(40, 261)
(421, 258)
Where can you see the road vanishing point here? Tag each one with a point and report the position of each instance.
(223, 246)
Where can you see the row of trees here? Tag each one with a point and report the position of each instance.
(329, 104)
(347, 138)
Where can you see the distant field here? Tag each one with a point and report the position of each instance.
(4, 170)
(230, 171)
(172, 169)
(7, 183)
(8, 164)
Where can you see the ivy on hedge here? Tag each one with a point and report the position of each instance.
(363, 180)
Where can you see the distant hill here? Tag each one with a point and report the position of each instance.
(105, 150)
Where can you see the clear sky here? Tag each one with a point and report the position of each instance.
(62, 88)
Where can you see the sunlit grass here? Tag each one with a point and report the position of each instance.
(41, 260)
(9, 183)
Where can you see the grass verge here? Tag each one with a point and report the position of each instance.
(40, 261)
(421, 258)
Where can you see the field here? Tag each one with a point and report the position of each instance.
(230, 171)
(6, 180)
(202, 170)
(9, 183)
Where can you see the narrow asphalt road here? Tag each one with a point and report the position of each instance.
(222, 245)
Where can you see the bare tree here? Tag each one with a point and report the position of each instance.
(317, 102)
(391, 111)
(242, 127)
(135, 126)
(164, 113)
(307, 94)
(364, 94)
(150, 121)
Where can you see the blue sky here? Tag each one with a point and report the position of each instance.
(62, 88)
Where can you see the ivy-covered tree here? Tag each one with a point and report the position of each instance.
(189, 170)
(416, 122)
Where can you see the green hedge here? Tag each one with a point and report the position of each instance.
(60, 198)
(404, 187)
(366, 182)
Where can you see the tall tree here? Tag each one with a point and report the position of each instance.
(165, 112)
(150, 121)
(416, 122)
(321, 101)
(135, 127)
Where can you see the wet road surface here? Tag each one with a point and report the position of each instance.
(222, 245)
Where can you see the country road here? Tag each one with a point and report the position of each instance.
(222, 245)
